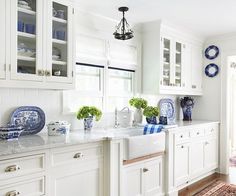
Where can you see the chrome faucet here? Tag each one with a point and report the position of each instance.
(116, 119)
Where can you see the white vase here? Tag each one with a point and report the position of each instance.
(138, 116)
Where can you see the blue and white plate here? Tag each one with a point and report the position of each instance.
(30, 117)
(211, 70)
(167, 109)
(212, 52)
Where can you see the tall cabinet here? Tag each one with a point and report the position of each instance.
(40, 44)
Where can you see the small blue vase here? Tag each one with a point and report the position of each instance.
(187, 113)
(151, 120)
(88, 123)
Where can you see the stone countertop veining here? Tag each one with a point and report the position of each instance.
(43, 141)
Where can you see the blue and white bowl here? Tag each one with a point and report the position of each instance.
(11, 132)
(58, 128)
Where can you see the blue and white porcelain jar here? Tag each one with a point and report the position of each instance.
(88, 123)
(187, 104)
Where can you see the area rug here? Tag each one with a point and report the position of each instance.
(218, 188)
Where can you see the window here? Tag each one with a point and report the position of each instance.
(89, 78)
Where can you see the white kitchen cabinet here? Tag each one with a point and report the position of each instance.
(182, 163)
(30, 43)
(76, 170)
(143, 178)
(3, 40)
(192, 154)
(172, 61)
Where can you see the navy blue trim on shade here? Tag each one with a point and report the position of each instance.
(211, 75)
(90, 65)
(212, 47)
(121, 69)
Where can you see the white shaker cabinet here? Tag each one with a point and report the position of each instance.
(144, 178)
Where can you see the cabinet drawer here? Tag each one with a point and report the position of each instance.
(17, 167)
(181, 136)
(34, 187)
(211, 129)
(199, 132)
(76, 154)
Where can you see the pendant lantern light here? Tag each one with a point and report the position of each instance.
(123, 31)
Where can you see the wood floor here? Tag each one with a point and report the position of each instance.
(198, 186)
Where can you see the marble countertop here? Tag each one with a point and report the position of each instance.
(43, 141)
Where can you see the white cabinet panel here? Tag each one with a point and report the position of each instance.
(211, 153)
(3, 39)
(133, 181)
(196, 82)
(181, 165)
(197, 158)
(153, 178)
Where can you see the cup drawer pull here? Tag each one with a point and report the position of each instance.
(13, 193)
(145, 170)
(12, 168)
(78, 155)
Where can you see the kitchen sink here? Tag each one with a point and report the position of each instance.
(137, 145)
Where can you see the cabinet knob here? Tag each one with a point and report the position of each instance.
(181, 136)
(13, 193)
(12, 168)
(41, 72)
(145, 170)
(47, 73)
(182, 146)
(78, 155)
(206, 143)
(197, 133)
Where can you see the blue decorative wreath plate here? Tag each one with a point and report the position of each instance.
(211, 70)
(30, 117)
(167, 109)
(212, 52)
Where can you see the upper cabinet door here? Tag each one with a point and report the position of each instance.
(3, 39)
(26, 40)
(59, 42)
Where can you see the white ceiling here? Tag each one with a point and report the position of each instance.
(205, 17)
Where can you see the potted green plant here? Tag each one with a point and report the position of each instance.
(151, 114)
(139, 104)
(88, 113)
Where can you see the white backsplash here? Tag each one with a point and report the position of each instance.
(51, 102)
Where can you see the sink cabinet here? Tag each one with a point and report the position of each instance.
(192, 154)
(144, 178)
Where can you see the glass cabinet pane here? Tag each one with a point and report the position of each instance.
(166, 61)
(59, 40)
(26, 37)
(178, 63)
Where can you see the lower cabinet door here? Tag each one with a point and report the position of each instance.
(133, 180)
(152, 174)
(181, 164)
(32, 187)
(197, 158)
(84, 180)
(211, 154)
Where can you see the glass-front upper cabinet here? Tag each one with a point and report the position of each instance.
(166, 68)
(26, 40)
(3, 39)
(172, 62)
(60, 42)
(178, 64)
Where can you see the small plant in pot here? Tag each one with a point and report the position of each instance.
(151, 114)
(139, 104)
(88, 113)
(187, 104)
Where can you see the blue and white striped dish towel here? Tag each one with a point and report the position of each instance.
(150, 129)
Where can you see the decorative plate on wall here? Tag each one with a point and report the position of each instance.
(211, 70)
(30, 117)
(212, 52)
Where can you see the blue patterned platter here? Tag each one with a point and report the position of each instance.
(167, 109)
(30, 117)
(212, 52)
